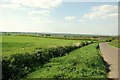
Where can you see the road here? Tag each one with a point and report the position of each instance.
(110, 55)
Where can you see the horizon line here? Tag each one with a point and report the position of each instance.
(57, 33)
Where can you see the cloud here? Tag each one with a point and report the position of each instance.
(102, 12)
(81, 20)
(45, 4)
(70, 18)
(42, 4)
(37, 10)
(13, 6)
(105, 8)
(39, 13)
(40, 16)
(42, 20)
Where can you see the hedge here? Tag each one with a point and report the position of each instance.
(19, 65)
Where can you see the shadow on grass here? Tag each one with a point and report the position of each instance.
(107, 65)
(19, 65)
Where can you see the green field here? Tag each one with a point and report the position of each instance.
(81, 63)
(26, 44)
(115, 43)
(38, 57)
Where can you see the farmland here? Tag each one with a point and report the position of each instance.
(23, 44)
(59, 40)
(26, 56)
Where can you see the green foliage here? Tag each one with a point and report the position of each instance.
(23, 55)
(109, 39)
(19, 65)
(85, 62)
(115, 43)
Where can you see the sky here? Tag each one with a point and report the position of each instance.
(56, 16)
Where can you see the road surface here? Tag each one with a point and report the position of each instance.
(110, 55)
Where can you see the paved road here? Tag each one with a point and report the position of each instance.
(110, 55)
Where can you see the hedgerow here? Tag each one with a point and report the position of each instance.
(19, 65)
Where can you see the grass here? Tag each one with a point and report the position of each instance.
(115, 43)
(85, 62)
(19, 65)
(22, 44)
(0, 48)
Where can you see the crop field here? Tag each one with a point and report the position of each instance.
(26, 44)
(81, 63)
(115, 43)
(58, 40)
(39, 57)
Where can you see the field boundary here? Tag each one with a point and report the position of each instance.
(113, 46)
(84, 63)
(19, 65)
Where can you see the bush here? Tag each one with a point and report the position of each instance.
(19, 65)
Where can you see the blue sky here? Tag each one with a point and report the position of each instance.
(59, 17)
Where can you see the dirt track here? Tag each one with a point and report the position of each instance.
(110, 55)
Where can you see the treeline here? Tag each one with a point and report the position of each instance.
(63, 36)
(19, 65)
(87, 38)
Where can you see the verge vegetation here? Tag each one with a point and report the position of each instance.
(19, 65)
(85, 62)
(115, 43)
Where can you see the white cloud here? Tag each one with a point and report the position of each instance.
(38, 10)
(70, 18)
(40, 16)
(13, 6)
(42, 20)
(42, 4)
(102, 12)
(81, 20)
(105, 8)
(39, 13)
(46, 4)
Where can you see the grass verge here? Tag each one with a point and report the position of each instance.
(85, 62)
(115, 43)
(19, 65)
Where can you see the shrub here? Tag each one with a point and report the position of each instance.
(19, 65)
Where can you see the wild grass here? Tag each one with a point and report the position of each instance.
(19, 65)
(115, 43)
(85, 62)
(40, 57)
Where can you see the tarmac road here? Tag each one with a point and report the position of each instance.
(110, 55)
